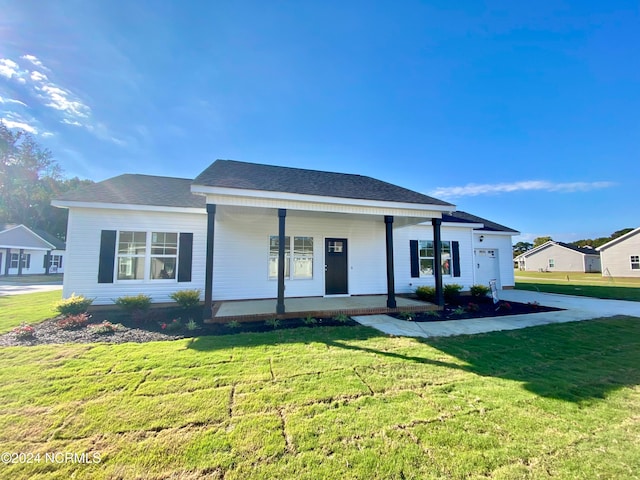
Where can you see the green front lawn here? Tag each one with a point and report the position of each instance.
(28, 308)
(556, 401)
(583, 284)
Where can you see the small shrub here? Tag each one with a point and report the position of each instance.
(233, 324)
(479, 291)
(24, 332)
(134, 303)
(459, 311)
(506, 306)
(428, 294)
(406, 316)
(473, 307)
(104, 328)
(341, 318)
(272, 322)
(73, 322)
(309, 320)
(432, 313)
(192, 325)
(186, 298)
(173, 326)
(73, 305)
(452, 292)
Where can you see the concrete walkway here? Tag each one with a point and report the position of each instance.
(576, 309)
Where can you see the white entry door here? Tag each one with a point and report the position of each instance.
(486, 261)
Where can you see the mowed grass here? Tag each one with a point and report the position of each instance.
(583, 284)
(557, 401)
(29, 308)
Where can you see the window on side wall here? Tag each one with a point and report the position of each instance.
(426, 254)
(635, 262)
(16, 260)
(147, 255)
(552, 263)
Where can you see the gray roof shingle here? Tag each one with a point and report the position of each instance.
(464, 217)
(137, 189)
(253, 176)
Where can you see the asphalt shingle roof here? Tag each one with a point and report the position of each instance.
(464, 217)
(137, 189)
(253, 176)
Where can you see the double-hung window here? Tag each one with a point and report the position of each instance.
(298, 266)
(426, 254)
(132, 247)
(16, 260)
(144, 255)
(635, 262)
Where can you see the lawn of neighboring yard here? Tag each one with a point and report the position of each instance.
(558, 401)
(583, 284)
(29, 308)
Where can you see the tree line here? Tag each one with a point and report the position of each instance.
(521, 247)
(29, 179)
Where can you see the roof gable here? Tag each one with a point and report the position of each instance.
(621, 238)
(20, 236)
(552, 243)
(270, 178)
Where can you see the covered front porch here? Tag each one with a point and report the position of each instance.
(253, 310)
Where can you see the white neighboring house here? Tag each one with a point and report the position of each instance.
(621, 256)
(341, 234)
(555, 256)
(26, 251)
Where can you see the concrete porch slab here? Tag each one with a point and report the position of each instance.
(249, 310)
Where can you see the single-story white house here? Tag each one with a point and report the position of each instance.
(555, 256)
(26, 251)
(621, 256)
(252, 231)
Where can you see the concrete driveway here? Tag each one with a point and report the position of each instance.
(7, 287)
(575, 309)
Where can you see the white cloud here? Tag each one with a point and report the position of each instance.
(21, 125)
(37, 76)
(8, 68)
(33, 59)
(474, 189)
(12, 101)
(60, 99)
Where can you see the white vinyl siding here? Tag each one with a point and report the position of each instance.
(621, 258)
(83, 252)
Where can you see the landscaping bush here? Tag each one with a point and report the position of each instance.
(172, 326)
(73, 305)
(24, 331)
(452, 293)
(186, 298)
(104, 328)
(342, 318)
(72, 322)
(428, 294)
(479, 291)
(133, 303)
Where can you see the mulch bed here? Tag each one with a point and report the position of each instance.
(465, 309)
(156, 325)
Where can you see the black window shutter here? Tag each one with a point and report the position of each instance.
(107, 256)
(455, 254)
(45, 260)
(415, 260)
(185, 257)
(28, 265)
(60, 261)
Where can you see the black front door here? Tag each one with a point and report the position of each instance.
(335, 268)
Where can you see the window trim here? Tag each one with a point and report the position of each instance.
(634, 260)
(147, 257)
(551, 263)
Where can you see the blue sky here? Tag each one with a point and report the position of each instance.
(524, 113)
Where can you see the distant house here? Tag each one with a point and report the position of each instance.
(250, 231)
(621, 257)
(26, 251)
(555, 256)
